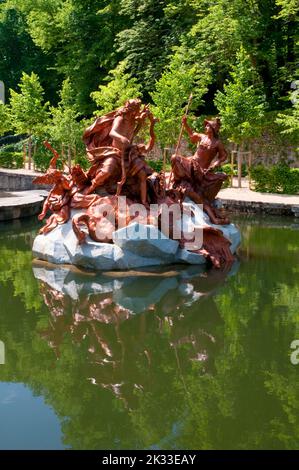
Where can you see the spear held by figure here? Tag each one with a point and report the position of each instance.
(181, 133)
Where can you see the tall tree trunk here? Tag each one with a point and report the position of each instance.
(240, 155)
(29, 152)
(69, 157)
(24, 155)
(34, 153)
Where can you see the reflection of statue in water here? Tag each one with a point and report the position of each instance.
(194, 175)
(122, 341)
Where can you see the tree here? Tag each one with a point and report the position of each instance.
(18, 53)
(4, 119)
(29, 113)
(172, 92)
(121, 87)
(241, 104)
(78, 35)
(290, 119)
(221, 27)
(288, 8)
(65, 127)
(152, 29)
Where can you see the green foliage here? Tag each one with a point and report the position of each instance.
(227, 169)
(19, 54)
(11, 156)
(290, 120)
(172, 93)
(241, 104)
(78, 35)
(157, 165)
(11, 160)
(288, 8)
(14, 147)
(82, 160)
(42, 156)
(121, 87)
(151, 30)
(65, 128)
(29, 113)
(277, 179)
(161, 50)
(42, 160)
(4, 119)
(224, 26)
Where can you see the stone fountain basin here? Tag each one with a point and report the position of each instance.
(18, 204)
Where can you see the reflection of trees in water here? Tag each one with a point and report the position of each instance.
(136, 356)
(188, 371)
(122, 349)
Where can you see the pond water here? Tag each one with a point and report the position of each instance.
(182, 358)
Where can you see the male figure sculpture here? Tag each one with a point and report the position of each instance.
(110, 150)
(195, 174)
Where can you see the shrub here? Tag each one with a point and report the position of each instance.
(157, 165)
(11, 160)
(227, 169)
(277, 179)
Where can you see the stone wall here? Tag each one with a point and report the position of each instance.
(263, 152)
(17, 180)
(255, 207)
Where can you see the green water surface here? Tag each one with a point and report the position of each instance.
(179, 358)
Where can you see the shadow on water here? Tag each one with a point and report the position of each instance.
(180, 357)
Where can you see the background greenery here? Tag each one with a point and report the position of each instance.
(63, 61)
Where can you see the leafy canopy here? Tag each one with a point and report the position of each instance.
(120, 87)
(172, 92)
(242, 103)
(29, 113)
(65, 127)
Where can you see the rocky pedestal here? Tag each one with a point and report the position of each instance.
(134, 246)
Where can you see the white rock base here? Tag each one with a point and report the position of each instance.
(134, 246)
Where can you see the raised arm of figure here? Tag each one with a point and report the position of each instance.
(195, 137)
(152, 140)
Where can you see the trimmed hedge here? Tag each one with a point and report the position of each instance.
(227, 168)
(157, 165)
(276, 179)
(11, 160)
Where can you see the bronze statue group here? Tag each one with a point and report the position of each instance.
(118, 167)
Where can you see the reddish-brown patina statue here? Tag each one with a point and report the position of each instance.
(59, 198)
(110, 149)
(195, 176)
(118, 167)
